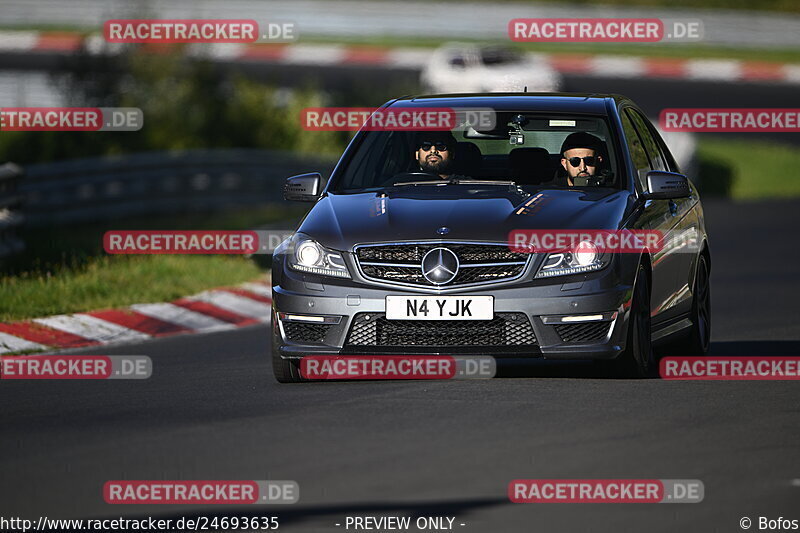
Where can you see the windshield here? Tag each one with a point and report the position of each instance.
(500, 56)
(523, 147)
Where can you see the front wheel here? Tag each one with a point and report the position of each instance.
(284, 370)
(638, 359)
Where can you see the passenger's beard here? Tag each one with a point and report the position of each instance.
(442, 166)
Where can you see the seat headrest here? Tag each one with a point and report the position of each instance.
(530, 166)
(468, 158)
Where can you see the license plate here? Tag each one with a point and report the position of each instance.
(440, 307)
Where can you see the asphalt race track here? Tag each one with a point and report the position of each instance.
(212, 411)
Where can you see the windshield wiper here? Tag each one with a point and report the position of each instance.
(454, 181)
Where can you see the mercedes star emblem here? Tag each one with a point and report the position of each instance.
(440, 266)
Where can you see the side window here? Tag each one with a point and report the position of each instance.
(376, 159)
(636, 149)
(458, 61)
(650, 144)
(665, 153)
(397, 156)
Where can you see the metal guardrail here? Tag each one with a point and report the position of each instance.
(157, 183)
(10, 216)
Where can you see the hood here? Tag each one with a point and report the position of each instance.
(340, 221)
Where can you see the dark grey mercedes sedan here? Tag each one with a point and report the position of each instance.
(413, 246)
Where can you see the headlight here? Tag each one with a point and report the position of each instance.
(307, 255)
(585, 253)
(584, 257)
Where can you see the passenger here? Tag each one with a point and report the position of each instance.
(435, 152)
(581, 156)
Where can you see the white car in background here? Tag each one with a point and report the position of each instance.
(469, 68)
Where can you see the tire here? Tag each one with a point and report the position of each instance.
(638, 359)
(699, 338)
(284, 370)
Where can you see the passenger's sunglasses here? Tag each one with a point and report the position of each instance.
(590, 161)
(426, 146)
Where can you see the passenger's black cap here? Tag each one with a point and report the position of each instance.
(581, 139)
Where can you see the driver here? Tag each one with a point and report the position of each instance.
(581, 155)
(435, 152)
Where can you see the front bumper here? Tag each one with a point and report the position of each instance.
(602, 298)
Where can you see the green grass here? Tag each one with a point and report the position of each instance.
(107, 282)
(749, 170)
(65, 270)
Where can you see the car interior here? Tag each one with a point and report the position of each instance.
(524, 165)
(527, 153)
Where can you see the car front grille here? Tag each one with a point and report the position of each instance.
(505, 329)
(586, 332)
(478, 263)
(302, 332)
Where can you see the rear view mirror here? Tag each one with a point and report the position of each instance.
(666, 185)
(303, 188)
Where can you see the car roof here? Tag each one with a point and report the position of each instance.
(553, 102)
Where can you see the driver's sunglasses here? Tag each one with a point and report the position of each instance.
(426, 146)
(590, 161)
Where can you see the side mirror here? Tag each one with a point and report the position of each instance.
(303, 188)
(666, 185)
